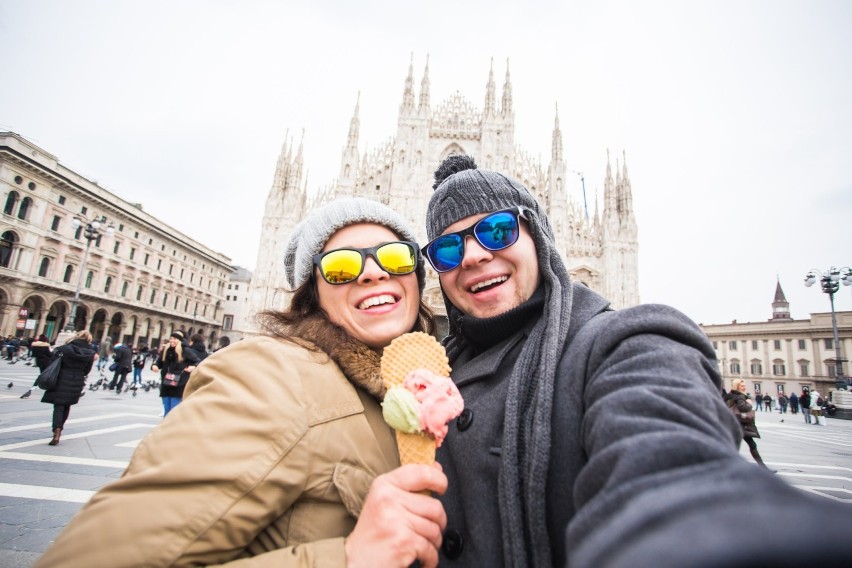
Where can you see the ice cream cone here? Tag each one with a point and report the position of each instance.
(416, 350)
(415, 448)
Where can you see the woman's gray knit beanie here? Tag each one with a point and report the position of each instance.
(309, 236)
(461, 190)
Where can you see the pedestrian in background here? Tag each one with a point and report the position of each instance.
(196, 343)
(40, 351)
(758, 401)
(782, 403)
(138, 365)
(805, 403)
(123, 357)
(817, 412)
(77, 359)
(174, 364)
(794, 404)
(767, 402)
(104, 350)
(742, 409)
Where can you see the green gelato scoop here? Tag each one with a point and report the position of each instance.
(401, 410)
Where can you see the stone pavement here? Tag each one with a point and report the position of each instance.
(42, 487)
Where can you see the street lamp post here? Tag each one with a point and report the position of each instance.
(93, 230)
(830, 283)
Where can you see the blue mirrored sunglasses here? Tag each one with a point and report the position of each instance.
(494, 232)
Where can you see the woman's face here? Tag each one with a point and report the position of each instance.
(376, 307)
(741, 387)
(173, 341)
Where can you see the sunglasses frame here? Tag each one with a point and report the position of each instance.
(365, 252)
(518, 210)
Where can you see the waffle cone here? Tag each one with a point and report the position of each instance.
(415, 448)
(415, 350)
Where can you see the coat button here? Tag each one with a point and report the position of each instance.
(464, 420)
(453, 544)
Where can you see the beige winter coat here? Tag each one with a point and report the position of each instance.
(266, 462)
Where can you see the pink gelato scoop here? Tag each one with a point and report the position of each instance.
(440, 401)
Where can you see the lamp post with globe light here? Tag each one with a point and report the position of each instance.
(93, 229)
(830, 283)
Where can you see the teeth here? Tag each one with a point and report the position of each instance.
(480, 285)
(376, 301)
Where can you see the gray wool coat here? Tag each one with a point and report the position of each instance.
(641, 441)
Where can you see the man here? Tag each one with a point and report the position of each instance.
(576, 444)
(123, 357)
(104, 349)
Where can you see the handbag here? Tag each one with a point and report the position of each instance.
(170, 380)
(113, 367)
(49, 378)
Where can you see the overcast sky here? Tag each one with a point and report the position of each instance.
(735, 116)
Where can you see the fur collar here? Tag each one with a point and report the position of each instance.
(360, 364)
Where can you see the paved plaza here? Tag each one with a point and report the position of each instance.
(42, 487)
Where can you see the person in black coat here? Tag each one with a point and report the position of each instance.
(123, 357)
(174, 364)
(77, 360)
(40, 350)
(196, 343)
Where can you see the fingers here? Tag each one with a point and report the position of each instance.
(416, 478)
(397, 524)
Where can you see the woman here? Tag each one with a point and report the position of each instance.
(278, 454)
(742, 409)
(174, 364)
(77, 359)
(40, 350)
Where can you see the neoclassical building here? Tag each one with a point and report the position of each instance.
(136, 285)
(782, 354)
(600, 250)
(235, 321)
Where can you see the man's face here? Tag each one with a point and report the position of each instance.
(489, 283)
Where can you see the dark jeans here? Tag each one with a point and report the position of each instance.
(118, 380)
(60, 415)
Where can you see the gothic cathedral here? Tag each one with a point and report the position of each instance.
(601, 251)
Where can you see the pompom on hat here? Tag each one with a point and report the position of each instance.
(309, 236)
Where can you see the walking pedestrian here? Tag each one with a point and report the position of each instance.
(782, 403)
(767, 402)
(104, 351)
(138, 365)
(739, 405)
(758, 401)
(123, 360)
(794, 404)
(77, 359)
(805, 403)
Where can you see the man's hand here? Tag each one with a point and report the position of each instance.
(398, 524)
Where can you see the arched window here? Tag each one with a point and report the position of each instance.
(124, 287)
(7, 244)
(25, 208)
(11, 201)
(107, 284)
(139, 291)
(69, 271)
(89, 277)
(44, 267)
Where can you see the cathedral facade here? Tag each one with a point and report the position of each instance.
(600, 251)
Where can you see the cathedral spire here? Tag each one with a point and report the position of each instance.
(490, 97)
(407, 104)
(354, 125)
(349, 161)
(506, 109)
(780, 307)
(626, 196)
(556, 147)
(423, 106)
